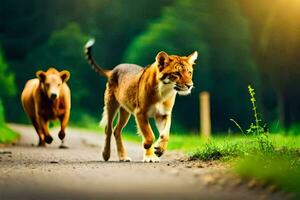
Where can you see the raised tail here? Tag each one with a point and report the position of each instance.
(88, 53)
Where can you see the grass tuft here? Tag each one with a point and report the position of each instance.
(256, 140)
(217, 151)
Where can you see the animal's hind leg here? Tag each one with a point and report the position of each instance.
(123, 119)
(111, 106)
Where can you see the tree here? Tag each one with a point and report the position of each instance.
(220, 34)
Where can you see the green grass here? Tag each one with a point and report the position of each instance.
(191, 143)
(274, 160)
(282, 171)
(226, 148)
(83, 120)
(7, 135)
(232, 146)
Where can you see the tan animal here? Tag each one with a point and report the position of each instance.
(46, 98)
(145, 92)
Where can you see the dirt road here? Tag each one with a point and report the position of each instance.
(30, 172)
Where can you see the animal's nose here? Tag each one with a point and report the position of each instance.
(53, 96)
(189, 85)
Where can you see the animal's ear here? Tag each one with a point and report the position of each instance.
(193, 57)
(41, 75)
(65, 75)
(161, 59)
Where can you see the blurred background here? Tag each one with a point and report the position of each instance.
(240, 42)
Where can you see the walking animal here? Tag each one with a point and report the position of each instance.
(46, 98)
(145, 92)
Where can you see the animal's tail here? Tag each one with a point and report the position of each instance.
(88, 52)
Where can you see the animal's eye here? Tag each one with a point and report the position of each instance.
(47, 85)
(174, 76)
(59, 84)
(178, 73)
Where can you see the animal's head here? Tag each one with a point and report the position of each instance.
(52, 81)
(176, 70)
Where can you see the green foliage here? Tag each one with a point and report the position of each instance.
(6, 134)
(7, 89)
(7, 84)
(2, 118)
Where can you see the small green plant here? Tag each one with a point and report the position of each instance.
(280, 166)
(265, 144)
(255, 128)
(257, 140)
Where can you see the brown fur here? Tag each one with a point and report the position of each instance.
(46, 98)
(145, 92)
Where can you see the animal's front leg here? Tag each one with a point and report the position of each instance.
(45, 130)
(64, 121)
(148, 137)
(163, 123)
(39, 132)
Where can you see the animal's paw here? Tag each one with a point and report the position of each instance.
(160, 148)
(106, 155)
(61, 134)
(126, 159)
(158, 151)
(41, 144)
(151, 159)
(48, 139)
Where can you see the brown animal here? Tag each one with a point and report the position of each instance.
(46, 98)
(145, 92)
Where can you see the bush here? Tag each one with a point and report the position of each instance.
(6, 134)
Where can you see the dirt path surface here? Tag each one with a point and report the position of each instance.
(35, 173)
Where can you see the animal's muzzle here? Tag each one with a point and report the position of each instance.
(53, 96)
(183, 87)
